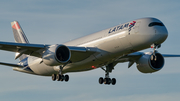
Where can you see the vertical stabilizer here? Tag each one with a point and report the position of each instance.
(19, 37)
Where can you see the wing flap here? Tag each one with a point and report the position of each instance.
(82, 49)
(81, 53)
(130, 57)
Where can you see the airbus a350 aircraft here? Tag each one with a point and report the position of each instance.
(103, 49)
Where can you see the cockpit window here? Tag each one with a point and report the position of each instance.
(156, 24)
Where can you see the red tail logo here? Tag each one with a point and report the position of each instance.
(16, 26)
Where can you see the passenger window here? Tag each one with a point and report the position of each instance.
(156, 24)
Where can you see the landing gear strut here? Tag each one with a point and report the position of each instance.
(107, 80)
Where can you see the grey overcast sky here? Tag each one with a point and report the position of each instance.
(59, 21)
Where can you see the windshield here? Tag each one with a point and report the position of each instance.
(156, 24)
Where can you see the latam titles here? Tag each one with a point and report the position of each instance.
(117, 28)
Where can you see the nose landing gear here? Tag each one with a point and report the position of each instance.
(155, 46)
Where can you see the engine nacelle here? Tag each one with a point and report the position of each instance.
(149, 64)
(56, 55)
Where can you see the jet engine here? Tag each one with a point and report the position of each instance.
(56, 55)
(150, 62)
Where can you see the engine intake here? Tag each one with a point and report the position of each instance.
(56, 55)
(62, 54)
(149, 63)
(157, 61)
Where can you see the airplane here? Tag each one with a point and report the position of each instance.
(104, 49)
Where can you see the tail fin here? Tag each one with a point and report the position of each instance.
(19, 37)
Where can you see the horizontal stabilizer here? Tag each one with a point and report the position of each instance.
(10, 64)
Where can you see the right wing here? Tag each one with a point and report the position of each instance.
(23, 48)
(77, 53)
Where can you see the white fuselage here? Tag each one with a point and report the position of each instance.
(111, 43)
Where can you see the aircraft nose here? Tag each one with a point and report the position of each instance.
(162, 33)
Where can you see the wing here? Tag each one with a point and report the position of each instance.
(77, 53)
(23, 48)
(131, 58)
(81, 53)
(170, 55)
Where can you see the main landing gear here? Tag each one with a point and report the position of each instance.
(60, 76)
(107, 80)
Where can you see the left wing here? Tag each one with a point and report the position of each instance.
(170, 55)
(136, 55)
(130, 57)
(133, 57)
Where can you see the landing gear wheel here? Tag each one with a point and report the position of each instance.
(109, 81)
(53, 77)
(66, 78)
(62, 78)
(106, 81)
(58, 77)
(101, 80)
(113, 81)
